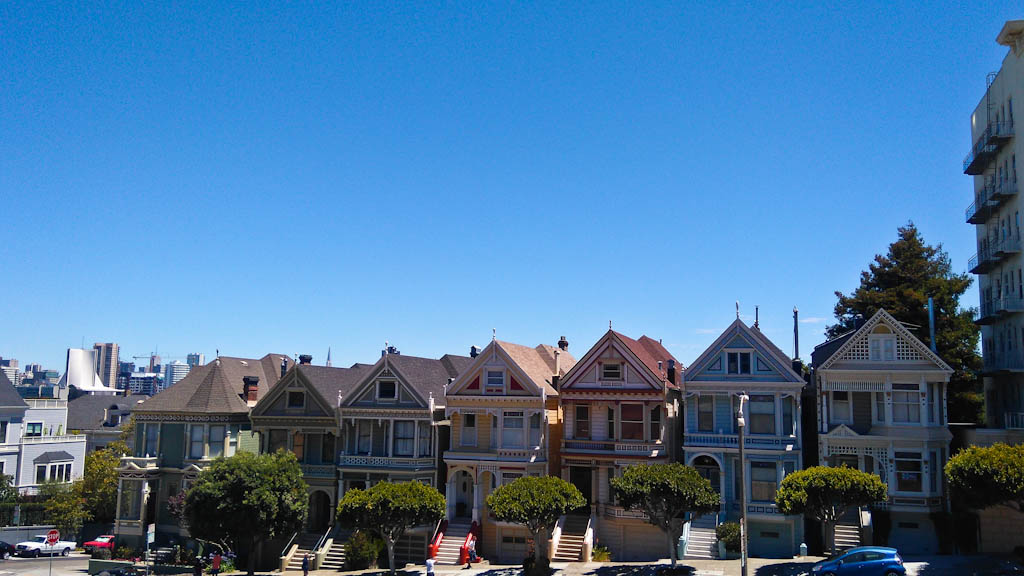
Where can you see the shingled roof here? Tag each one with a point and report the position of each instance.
(429, 375)
(329, 382)
(9, 397)
(650, 352)
(216, 388)
(539, 363)
(88, 412)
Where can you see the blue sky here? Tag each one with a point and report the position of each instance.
(287, 178)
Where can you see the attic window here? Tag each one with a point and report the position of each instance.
(387, 390)
(882, 347)
(612, 371)
(296, 399)
(739, 362)
(495, 382)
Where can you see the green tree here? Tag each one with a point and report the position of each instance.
(391, 508)
(981, 477)
(901, 282)
(99, 481)
(825, 493)
(8, 491)
(242, 501)
(65, 507)
(665, 493)
(536, 502)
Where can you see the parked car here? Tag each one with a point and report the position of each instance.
(6, 550)
(104, 541)
(37, 546)
(862, 561)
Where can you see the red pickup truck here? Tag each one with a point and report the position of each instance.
(104, 541)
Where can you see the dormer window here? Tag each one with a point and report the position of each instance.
(387, 390)
(882, 348)
(296, 399)
(611, 371)
(738, 362)
(495, 382)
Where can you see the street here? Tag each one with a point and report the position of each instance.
(74, 565)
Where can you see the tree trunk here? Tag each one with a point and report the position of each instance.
(251, 561)
(540, 547)
(828, 526)
(390, 545)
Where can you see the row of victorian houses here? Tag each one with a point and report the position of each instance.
(468, 424)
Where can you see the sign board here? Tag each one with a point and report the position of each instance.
(151, 533)
(52, 537)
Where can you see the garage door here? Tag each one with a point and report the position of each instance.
(512, 546)
(642, 543)
(770, 540)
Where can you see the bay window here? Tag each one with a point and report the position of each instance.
(705, 413)
(364, 435)
(762, 415)
(512, 430)
(787, 417)
(841, 412)
(151, 434)
(655, 425)
(581, 429)
(763, 481)
(906, 407)
(632, 425)
(535, 429)
(469, 430)
(197, 435)
(405, 438)
(424, 432)
(908, 471)
(216, 441)
(610, 433)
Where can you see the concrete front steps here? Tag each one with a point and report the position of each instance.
(306, 541)
(454, 537)
(570, 543)
(334, 559)
(703, 543)
(848, 530)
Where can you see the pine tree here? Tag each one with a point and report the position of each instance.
(901, 282)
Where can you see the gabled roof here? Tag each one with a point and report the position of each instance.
(329, 382)
(782, 362)
(425, 376)
(216, 388)
(538, 363)
(87, 412)
(881, 316)
(650, 352)
(9, 397)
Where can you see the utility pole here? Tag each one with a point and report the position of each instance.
(741, 423)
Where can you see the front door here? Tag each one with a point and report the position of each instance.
(712, 475)
(463, 494)
(582, 479)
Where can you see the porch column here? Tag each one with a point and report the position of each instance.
(888, 400)
(416, 439)
(797, 416)
(120, 490)
(389, 438)
(778, 414)
(476, 500)
(500, 415)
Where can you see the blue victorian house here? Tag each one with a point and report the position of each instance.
(744, 360)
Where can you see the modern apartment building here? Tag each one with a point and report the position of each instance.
(174, 372)
(107, 362)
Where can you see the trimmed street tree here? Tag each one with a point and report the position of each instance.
(65, 507)
(242, 501)
(391, 508)
(825, 493)
(99, 481)
(665, 493)
(992, 476)
(536, 502)
(901, 282)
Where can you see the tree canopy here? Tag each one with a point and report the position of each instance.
(99, 481)
(980, 477)
(536, 502)
(901, 282)
(241, 501)
(665, 493)
(390, 508)
(824, 493)
(65, 507)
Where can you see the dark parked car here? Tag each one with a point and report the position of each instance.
(6, 550)
(862, 561)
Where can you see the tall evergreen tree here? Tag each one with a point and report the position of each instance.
(901, 282)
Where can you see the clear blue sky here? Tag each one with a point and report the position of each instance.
(288, 178)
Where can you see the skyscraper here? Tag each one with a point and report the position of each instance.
(154, 363)
(106, 362)
(174, 372)
(195, 359)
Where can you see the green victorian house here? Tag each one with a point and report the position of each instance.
(180, 431)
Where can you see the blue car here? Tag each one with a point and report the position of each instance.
(862, 561)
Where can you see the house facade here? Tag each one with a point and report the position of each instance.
(882, 409)
(180, 431)
(621, 406)
(504, 417)
(743, 360)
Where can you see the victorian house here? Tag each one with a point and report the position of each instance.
(882, 409)
(299, 415)
(505, 424)
(179, 431)
(742, 360)
(620, 405)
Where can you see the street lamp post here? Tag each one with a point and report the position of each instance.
(741, 423)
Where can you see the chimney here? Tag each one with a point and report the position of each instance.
(474, 351)
(250, 388)
(563, 344)
(284, 365)
(672, 371)
(306, 359)
(558, 367)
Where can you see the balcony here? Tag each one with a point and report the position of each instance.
(59, 439)
(732, 441)
(626, 448)
(319, 470)
(533, 454)
(991, 254)
(365, 461)
(1003, 191)
(992, 311)
(1014, 420)
(986, 147)
(988, 200)
(143, 462)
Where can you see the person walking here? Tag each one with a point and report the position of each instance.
(305, 565)
(215, 567)
(430, 566)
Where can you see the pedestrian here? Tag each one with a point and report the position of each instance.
(215, 568)
(471, 549)
(197, 567)
(430, 566)
(305, 565)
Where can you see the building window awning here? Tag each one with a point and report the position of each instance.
(853, 386)
(56, 456)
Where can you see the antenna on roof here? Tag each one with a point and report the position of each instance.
(217, 350)
(757, 317)
(609, 324)
(494, 334)
(328, 356)
(737, 309)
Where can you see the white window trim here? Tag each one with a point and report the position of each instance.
(386, 398)
(622, 372)
(475, 427)
(725, 361)
(831, 408)
(881, 338)
(42, 429)
(486, 387)
(714, 408)
(51, 467)
(644, 421)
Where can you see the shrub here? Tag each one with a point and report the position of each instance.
(125, 553)
(601, 554)
(362, 550)
(101, 554)
(729, 532)
(943, 523)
